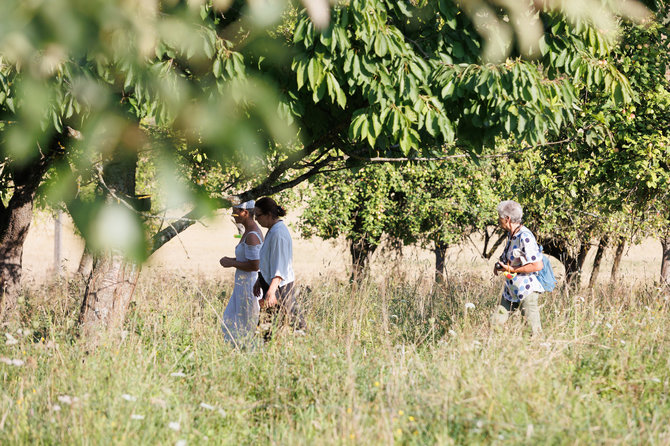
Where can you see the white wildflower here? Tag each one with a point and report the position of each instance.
(452, 332)
(178, 374)
(127, 397)
(11, 340)
(14, 362)
(136, 417)
(476, 343)
(608, 325)
(546, 344)
(174, 425)
(480, 424)
(206, 406)
(55, 408)
(656, 380)
(180, 443)
(222, 412)
(622, 342)
(469, 306)
(67, 399)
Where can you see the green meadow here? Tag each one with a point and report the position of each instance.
(383, 362)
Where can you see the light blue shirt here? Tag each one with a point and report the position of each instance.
(277, 254)
(521, 249)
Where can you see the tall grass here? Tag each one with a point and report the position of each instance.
(393, 361)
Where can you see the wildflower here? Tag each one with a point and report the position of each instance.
(178, 374)
(480, 424)
(398, 431)
(174, 425)
(136, 417)
(401, 413)
(352, 436)
(469, 306)
(545, 344)
(656, 380)
(14, 362)
(376, 383)
(67, 399)
(476, 343)
(127, 397)
(180, 443)
(622, 342)
(11, 340)
(411, 418)
(55, 408)
(608, 325)
(222, 412)
(206, 406)
(349, 410)
(452, 332)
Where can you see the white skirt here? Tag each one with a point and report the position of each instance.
(241, 315)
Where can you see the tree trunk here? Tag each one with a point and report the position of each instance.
(572, 264)
(15, 220)
(665, 261)
(360, 250)
(109, 290)
(602, 246)
(617, 260)
(111, 283)
(440, 251)
(19, 215)
(85, 263)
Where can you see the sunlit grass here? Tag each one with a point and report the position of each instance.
(387, 361)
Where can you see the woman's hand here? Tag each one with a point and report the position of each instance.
(270, 299)
(227, 262)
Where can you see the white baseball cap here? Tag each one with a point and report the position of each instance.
(246, 205)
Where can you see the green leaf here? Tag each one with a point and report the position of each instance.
(381, 46)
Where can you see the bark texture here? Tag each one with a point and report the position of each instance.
(618, 254)
(109, 290)
(602, 247)
(111, 283)
(440, 250)
(665, 260)
(15, 220)
(17, 217)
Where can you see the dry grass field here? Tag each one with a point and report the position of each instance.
(392, 359)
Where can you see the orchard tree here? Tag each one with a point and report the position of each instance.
(432, 204)
(604, 183)
(380, 78)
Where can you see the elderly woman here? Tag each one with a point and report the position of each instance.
(520, 261)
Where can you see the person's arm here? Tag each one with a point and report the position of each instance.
(524, 269)
(249, 265)
(270, 299)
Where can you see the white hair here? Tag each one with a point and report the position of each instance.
(511, 209)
